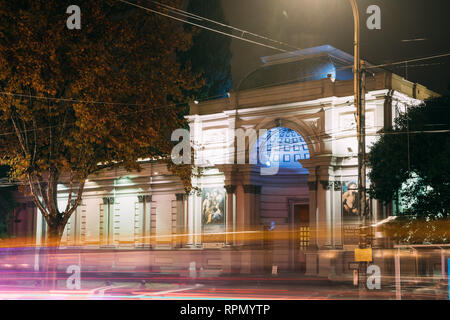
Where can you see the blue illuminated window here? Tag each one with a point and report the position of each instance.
(282, 147)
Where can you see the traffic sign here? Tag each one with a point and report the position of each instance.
(363, 255)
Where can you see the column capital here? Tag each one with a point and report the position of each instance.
(249, 188)
(230, 188)
(312, 185)
(326, 184)
(337, 185)
(180, 196)
(145, 198)
(108, 200)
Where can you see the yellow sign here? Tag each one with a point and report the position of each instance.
(363, 255)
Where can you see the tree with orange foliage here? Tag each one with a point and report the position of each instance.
(74, 102)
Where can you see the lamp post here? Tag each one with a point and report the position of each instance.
(361, 135)
(360, 114)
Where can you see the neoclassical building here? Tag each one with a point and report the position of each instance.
(278, 163)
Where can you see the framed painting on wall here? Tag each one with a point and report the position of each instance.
(213, 215)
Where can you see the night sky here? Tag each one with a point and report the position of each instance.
(308, 23)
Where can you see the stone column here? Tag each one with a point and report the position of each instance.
(180, 238)
(327, 216)
(257, 207)
(190, 220)
(248, 204)
(312, 262)
(338, 243)
(198, 232)
(108, 222)
(252, 194)
(230, 213)
(312, 186)
(145, 208)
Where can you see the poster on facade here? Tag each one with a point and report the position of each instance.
(213, 215)
(350, 214)
(350, 201)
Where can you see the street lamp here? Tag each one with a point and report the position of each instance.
(360, 114)
(361, 135)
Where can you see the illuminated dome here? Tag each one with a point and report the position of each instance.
(281, 147)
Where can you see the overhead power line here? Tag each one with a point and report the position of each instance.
(181, 104)
(23, 95)
(203, 27)
(410, 60)
(200, 18)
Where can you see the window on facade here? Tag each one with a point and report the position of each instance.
(302, 223)
(281, 146)
(304, 236)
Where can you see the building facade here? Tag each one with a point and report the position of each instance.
(278, 163)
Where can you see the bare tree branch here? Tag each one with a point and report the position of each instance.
(35, 142)
(19, 137)
(37, 202)
(70, 193)
(68, 214)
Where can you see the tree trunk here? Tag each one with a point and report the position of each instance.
(53, 241)
(55, 232)
(45, 194)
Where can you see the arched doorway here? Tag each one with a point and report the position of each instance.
(284, 203)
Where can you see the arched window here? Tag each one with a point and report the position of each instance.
(281, 147)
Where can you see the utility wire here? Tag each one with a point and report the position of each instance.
(200, 26)
(318, 135)
(182, 104)
(408, 61)
(258, 43)
(217, 96)
(152, 107)
(97, 102)
(200, 18)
